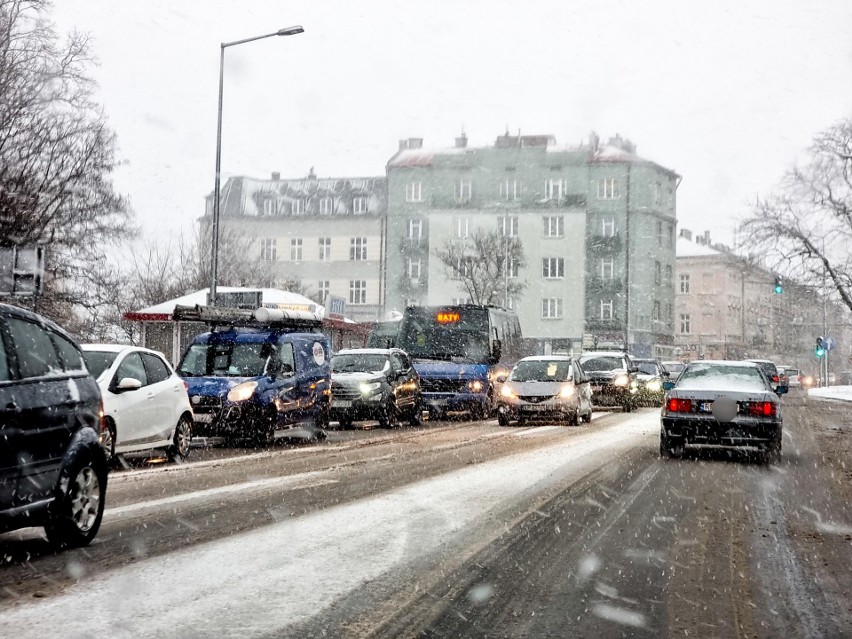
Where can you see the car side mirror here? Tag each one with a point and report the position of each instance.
(501, 377)
(666, 374)
(128, 384)
(668, 385)
(633, 369)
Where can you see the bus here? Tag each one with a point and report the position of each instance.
(462, 354)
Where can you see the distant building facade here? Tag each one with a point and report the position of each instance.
(597, 224)
(327, 233)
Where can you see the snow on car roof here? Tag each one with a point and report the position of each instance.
(546, 358)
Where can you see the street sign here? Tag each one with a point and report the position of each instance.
(21, 270)
(336, 306)
(829, 343)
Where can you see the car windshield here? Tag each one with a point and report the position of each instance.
(648, 368)
(541, 371)
(98, 361)
(673, 367)
(360, 362)
(224, 360)
(599, 364)
(721, 377)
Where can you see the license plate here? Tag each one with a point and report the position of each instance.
(534, 408)
(339, 403)
(437, 402)
(204, 418)
(596, 389)
(706, 407)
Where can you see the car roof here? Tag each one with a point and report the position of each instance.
(547, 358)
(8, 309)
(604, 353)
(762, 361)
(727, 362)
(118, 348)
(369, 351)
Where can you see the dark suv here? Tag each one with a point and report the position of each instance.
(614, 378)
(53, 470)
(374, 383)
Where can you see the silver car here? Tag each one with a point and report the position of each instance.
(548, 386)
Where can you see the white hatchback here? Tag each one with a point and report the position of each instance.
(146, 403)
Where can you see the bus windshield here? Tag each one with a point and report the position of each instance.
(429, 334)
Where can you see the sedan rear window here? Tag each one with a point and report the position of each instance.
(726, 377)
(359, 363)
(601, 363)
(98, 361)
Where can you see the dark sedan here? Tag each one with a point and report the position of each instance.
(722, 403)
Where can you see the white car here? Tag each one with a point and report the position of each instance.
(146, 403)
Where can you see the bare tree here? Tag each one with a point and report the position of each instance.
(805, 227)
(479, 264)
(57, 155)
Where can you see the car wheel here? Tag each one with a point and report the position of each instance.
(572, 419)
(108, 441)
(345, 423)
(321, 423)
(416, 417)
(670, 450)
(588, 416)
(179, 450)
(502, 418)
(387, 415)
(78, 513)
(627, 406)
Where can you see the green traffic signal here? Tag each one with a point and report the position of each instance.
(779, 286)
(819, 351)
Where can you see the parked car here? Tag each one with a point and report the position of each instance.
(650, 378)
(53, 470)
(722, 403)
(146, 403)
(613, 378)
(794, 377)
(545, 387)
(374, 383)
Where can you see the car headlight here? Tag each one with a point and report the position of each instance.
(621, 380)
(567, 391)
(506, 391)
(476, 386)
(242, 392)
(654, 385)
(368, 388)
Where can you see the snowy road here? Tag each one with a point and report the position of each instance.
(470, 530)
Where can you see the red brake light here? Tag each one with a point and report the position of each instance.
(775, 378)
(762, 409)
(679, 405)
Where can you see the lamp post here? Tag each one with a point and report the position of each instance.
(214, 250)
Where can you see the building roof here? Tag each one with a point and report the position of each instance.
(269, 296)
(688, 248)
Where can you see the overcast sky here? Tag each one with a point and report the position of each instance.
(726, 93)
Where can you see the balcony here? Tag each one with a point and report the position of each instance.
(604, 244)
(596, 286)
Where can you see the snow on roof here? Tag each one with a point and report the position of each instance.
(687, 248)
(164, 310)
(424, 157)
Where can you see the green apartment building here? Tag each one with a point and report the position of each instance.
(596, 222)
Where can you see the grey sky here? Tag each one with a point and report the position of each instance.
(726, 94)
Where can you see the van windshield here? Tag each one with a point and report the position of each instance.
(224, 360)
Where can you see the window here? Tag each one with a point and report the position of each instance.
(268, 252)
(658, 273)
(656, 315)
(325, 249)
(513, 268)
(155, 368)
(668, 275)
(553, 226)
(551, 308)
(461, 268)
(358, 249)
(463, 191)
(509, 190)
(659, 233)
(326, 206)
(71, 358)
(358, 292)
(461, 226)
(273, 206)
(608, 226)
(552, 267)
(415, 229)
(36, 353)
(608, 189)
(359, 205)
(414, 268)
(671, 236)
(287, 357)
(298, 207)
(658, 194)
(684, 283)
(554, 189)
(414, 192)
(4, 363)
(296, 249)
(322, 290)
(684, 323)
(607, 268)
(460, 300)
(606, 309)
(131, 366)
(508, 225)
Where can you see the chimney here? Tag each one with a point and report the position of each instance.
(706, 238)
(276, 175)
(686, 234)
(311, 174)
(415, 143)
(403, 144)
(461, 142)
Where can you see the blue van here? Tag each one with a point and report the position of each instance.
(256, 373)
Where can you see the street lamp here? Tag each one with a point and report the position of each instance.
(214, 251)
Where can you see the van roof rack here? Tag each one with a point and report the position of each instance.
(259, 318)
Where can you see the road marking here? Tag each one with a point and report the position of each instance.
(537, 430)
(290, 482)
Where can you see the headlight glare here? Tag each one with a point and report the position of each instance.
(654, 385)
(567, 391)
(369, 387)
(476, 386)
(506, 391)
(621, 380)
(242, 392)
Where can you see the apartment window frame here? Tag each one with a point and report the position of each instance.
(608, 226)
(684, 282)
(296, 252)
(554, 189)
(360, 204)
(513, 224)
(509, 190)
(658, 273)
(414, 268)
(415, 224)
(357, 292)
(323, 290)
(609, 188)
(553, 268)
(358, 249)
(461, 228)
(553, 226)
(552, 308)
(414, 192)
(607, 268)
(326, 206)
(324, 244)
(268, 249)
(463, 191)
(607, 310)
(685, 324)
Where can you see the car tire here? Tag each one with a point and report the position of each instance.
(77, 514)
(670, 451)
(587, 418)
(416, 416)
(502, 418)
(345, 423)
(573, 419)
(182, 440)
(627, 406)
(387, 415)
(108, 441)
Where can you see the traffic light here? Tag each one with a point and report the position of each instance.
(779, 285)
(819, 351)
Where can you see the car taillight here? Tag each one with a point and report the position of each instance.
(186, 385)
(679, 405)
(102, 417)
(775, 378)
(762, 409)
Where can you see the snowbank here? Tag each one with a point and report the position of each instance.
(843, 393)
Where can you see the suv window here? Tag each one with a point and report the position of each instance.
(396, 362)
(287, 357)
(4, 363)
(36, 354)
(155, 368)
(71, 356)
(131, 366)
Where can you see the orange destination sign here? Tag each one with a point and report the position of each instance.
(447, 318)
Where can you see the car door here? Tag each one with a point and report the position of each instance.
(399, 382)
(584, 387)
(411, 380)
(163, 393)
(43, 405)
(9, 429)
(131, 409)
